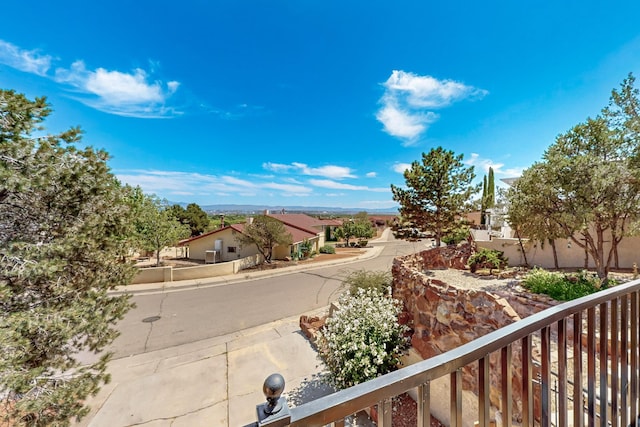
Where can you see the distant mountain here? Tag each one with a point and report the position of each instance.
(257, 209)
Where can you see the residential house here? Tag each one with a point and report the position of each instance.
(324, 227)
(499, 236)
(221, 245)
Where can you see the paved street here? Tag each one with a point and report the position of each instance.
(225, 306)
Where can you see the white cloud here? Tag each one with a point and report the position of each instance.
(133, 94)
(238, 182)
(403, 123)
(498, 168)
(371, 174)
(288, 188)
(328, 171)
(172, 183)
(158, 181)
(407, 98)
(233, 113)
(483, 164)
(291, 180)
(513, 172)
(401, 167)
(115, 92)
(178, 186)
(429, 92)
(276, 167)
(327, 183)
(30, 61)
(173, 86)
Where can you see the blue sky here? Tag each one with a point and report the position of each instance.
(314, 103)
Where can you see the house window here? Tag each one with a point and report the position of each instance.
(231, 249)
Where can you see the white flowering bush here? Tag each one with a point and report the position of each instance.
(362, 339)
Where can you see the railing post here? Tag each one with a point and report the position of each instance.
(484, 391)
(456, 398)
(545, 376)
(633, 395)
(624, 360)
(578, 405)
(561, 390)
(507, 392)
(591, 367)
(527, 383)
(424, 405)
(613, 357)
(275, 411)
(384, 413)
(604, 356)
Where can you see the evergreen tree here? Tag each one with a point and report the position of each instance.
(491, 190)
(488, 199)
(64, 222)
(193, 216)
(438, 192)
(483, 201)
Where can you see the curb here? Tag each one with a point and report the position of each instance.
(183, 285)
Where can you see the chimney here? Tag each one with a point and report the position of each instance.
(222, 221)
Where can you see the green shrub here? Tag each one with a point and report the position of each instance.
(456, 236)
(305, 248)
(560, 286)
(327, 249)
(380, 281)
(487, 258)
(362, 339)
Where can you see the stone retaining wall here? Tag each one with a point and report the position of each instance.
(444, 317)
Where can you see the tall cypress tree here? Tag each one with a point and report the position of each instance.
(483, 200)
(491, 190)
(488, 199)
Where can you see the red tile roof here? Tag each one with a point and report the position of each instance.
(297, 234)
(305, 222)
(238, 227)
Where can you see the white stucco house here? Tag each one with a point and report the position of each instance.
(501, 237)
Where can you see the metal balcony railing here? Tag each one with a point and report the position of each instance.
(599, 387)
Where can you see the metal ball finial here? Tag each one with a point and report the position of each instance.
(273, 388)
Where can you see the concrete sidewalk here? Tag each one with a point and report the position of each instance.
(214, 382)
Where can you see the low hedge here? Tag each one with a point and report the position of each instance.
(327, 249)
